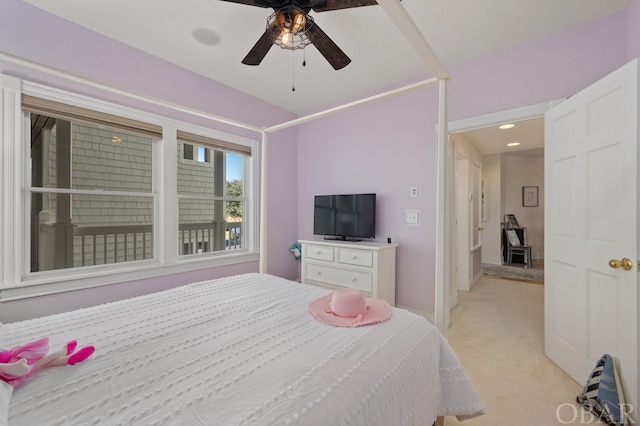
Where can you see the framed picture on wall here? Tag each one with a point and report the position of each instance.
(529, 196)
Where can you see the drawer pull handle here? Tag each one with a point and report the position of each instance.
(318, 273)
(319, 252)
(354, 279)
(354, 257)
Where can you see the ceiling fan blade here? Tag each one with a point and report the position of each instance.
(331, 52)
(259, 50)
(341, 4)
(259, 3)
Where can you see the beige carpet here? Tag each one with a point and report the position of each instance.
(497, 331)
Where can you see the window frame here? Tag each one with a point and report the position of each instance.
(16, 280)
(247, 171)
(195, 162)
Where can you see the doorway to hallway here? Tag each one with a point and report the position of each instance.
(511, 160)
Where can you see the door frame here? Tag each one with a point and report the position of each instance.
(461, 228)
(463, 125)
(466, 219)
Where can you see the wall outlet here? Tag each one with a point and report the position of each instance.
(412, 217)
(414, 191)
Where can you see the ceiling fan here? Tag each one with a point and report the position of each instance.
(291, 27)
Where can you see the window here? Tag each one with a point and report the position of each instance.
(97, 196)
(91, 188)
(211, 195)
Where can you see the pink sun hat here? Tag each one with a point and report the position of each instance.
(348, 307)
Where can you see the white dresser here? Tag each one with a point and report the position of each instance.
(367, 266)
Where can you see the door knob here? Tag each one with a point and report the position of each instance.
(480, 228)
(624, 263)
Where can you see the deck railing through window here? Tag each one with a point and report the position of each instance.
(100, 245)
(199, 237)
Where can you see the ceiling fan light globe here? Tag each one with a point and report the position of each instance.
(299, 21)
(286, 38)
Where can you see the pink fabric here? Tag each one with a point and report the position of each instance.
(32, 351)
(348, 302)
(80, 355)
(18, 364)
(349, 308)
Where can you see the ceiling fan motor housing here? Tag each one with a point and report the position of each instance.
(288, 27)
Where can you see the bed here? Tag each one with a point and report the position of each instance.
(240, 350)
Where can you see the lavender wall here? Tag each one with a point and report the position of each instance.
(389, 146)
(282, 214)
(386, 148)
(547, 68)
(29, 33)
(633, 22)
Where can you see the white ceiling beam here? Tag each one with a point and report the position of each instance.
(342, 107)
(401, 19)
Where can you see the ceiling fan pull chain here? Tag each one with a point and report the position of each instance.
(304, 58)
(293, 70)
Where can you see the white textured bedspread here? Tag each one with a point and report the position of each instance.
(235, 351)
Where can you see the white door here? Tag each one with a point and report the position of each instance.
(591, 194)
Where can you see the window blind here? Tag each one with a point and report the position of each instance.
(213, 143)
(73, 113)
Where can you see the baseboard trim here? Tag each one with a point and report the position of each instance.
(453, 301)
(429, 317)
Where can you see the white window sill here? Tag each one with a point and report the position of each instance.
(95, 277)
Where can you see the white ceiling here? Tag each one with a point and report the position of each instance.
(493, 140)
(457, 30)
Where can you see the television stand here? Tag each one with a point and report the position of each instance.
(369, 266)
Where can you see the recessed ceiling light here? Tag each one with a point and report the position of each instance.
(506, 126)
(513, 144)
(206, 36)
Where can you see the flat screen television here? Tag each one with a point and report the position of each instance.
(345, 217)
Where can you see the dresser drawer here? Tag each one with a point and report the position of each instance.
(340, 277)
(355, 257)
(319, 252)
(369, 266)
